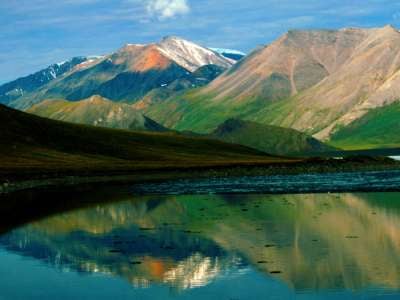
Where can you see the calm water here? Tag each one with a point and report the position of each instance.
(327, 246)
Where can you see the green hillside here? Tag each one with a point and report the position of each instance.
(270, 139)
(379, 128)
(96, 111)
(194, 112)
(34, 145)
(101, 112)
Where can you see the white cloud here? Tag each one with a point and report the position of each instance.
(165, 9)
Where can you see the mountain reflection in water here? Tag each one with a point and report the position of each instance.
(310, 243)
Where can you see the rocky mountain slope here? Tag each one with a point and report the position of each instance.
(96, 111)
(368, 79)
(201, 77)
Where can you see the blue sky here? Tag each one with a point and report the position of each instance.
(37, 33)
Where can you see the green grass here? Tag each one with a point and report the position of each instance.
(201, 113)
(270, 139)
(97, 111)
(379, 128)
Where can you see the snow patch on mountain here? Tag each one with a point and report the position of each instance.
(13, 90)
(95, 57)
(228, 51)
(89, 61)
(52, 73)
(190, 55)
(85, 60)
(234, 55)
(61, 63)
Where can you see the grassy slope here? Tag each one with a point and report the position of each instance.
(270, 139)
(200, 113)
(379, 128)
(203, 112)
(96, 111)
(197, 112)
(31, 144)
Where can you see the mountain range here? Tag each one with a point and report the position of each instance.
(131, 72)
(339, 86)
(317, 81)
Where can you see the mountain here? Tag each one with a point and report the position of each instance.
(130, 73)
(96, 111)
(314, 81)
(296, 61)
(31, 145)
(368, 79)
(17, 88)
(229, 53)
(269, 139)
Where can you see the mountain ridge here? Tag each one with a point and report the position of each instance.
(11, 90)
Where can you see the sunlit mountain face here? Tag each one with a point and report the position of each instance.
(313, 244)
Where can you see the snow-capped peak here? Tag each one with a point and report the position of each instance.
(190, 55)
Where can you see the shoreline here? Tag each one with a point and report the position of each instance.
(314, 183)
(314, 166)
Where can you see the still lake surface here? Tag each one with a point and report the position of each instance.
(247, 246)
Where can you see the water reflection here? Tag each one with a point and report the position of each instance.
(310, 242)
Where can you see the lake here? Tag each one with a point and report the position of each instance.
(117, 245)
